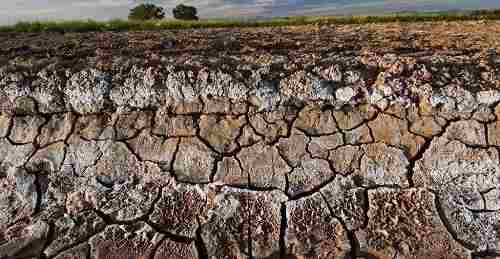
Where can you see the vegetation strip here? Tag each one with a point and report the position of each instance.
(124, 25)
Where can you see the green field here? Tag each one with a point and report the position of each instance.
(125, 25)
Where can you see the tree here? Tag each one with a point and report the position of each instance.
(184, 12)
(146, 12)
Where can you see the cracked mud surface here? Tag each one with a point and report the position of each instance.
(371, 141)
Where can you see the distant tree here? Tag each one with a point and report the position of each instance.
(184, 12)
(146, 12)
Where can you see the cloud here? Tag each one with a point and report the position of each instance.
(101, 3)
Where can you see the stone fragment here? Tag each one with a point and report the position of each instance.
(271, 131)
(25, 129)
(266, 96)
(494, 129)
(178, 88)
(153, 148)
(18, 196)
(5, 121)
(308, 175)
(179, 209)
(497, 112)
(479, 230)
(346, 201)
(426, 107)
(75, 202)
(70, 230)
(264, 166)
(322, 90)
(230, 173)
(24, 240)
(488, 97)
(138, 90)
(238, 217)
(406, 224)
(491, 199)
(321, 146)
(65, 192)
(345, 94)
(223, 105)
(7, 97)
(359, 135)
(170, 249)
(315, 121)
(484, 113)
(293, 149)
(239, 107)
(372, 165)
(351, 117)
(298, 85)
(14, 155)
(382, 165)
(397, 110)
(81, 154)
(455, 102)
(125, 188)
(128, 124)
(426, 126)
(188, 107)
(218, 83)
(25, 105)
(134, 241)
(216, 104)
(221, 132)
(48, 159)
(469, 132)
(48, 92)
(194, 161)
(287, 113)
(56, 129)
(394, 132)
(377, 99)
(460, 175)
(312, 232)
(346, 159)
(248, 137)
(175, 125)
(80, 251)
(96, 127)
(332, 73)
(86, 90)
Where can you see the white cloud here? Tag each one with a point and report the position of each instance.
(101, 3)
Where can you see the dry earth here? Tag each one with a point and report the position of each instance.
(359, 141)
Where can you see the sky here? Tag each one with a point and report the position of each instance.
(12, 11)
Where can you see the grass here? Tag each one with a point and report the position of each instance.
(126, 25)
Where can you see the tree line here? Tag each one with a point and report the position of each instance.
(150, 11)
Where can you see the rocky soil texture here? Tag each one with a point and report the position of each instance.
(372, 141)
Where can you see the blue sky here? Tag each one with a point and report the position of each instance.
(14, 10)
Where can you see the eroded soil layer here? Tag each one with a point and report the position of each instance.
(373, 141)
